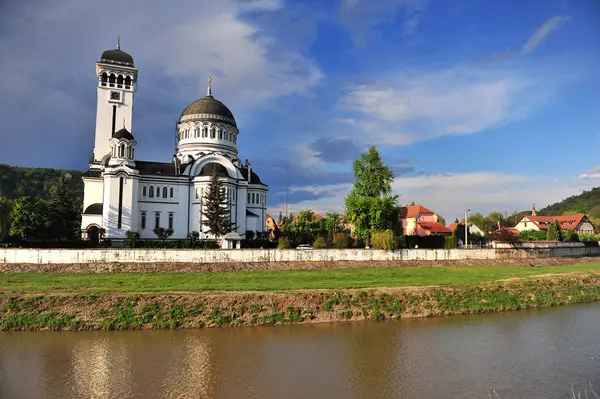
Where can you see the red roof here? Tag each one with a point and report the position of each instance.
(413, 210)
(434, 227)
(566, 221)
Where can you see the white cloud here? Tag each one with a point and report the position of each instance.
(404, 107)
(591, 175)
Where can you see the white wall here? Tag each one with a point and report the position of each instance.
(111, 255)
(92, 191)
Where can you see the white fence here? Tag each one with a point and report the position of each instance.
(119, 255)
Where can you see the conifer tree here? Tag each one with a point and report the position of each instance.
(216, 208)
(63, 212)
(554, 231)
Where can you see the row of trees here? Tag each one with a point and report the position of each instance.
(31, 218)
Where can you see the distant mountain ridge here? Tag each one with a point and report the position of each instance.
(587, 202)
(18, 181)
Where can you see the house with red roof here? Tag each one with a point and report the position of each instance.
(579, 222)
(420, 221)
(473, 229)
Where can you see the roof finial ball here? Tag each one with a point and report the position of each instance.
(118, 42)
(208, 89)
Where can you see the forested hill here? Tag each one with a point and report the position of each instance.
(16, 181)
(587, 202)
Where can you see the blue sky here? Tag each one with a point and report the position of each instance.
(490, 105)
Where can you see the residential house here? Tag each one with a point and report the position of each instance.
(418, 220)
(473, 229)
(579, 222)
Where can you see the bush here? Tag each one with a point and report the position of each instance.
(589, 237)
(341, 241)
(571, 236)
(284, 243)
(320, 243)
(132, 239)
(450, 242)
(68, 244)
(384, 240)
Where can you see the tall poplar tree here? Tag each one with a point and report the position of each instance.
(371, 206)
(64, 212)
(215, 208)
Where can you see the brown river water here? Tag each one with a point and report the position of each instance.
(525, 354)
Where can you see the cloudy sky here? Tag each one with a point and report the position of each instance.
(485, 104)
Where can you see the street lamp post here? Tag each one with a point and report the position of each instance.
(466, 228)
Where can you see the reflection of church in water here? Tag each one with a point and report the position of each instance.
(122, 193)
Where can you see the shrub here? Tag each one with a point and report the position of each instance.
(571, 236)
(163, 233)
(450, 242)
(284, 243)
(341, 241)
(320, 242)
(384, 240)
(131, 239)
(193, 238)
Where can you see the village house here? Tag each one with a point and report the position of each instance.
(473, 229)
(579, 222)
(420, 221)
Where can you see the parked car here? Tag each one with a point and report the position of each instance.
(304, 246)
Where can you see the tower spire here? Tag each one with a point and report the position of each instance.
(208, 88)
(118, 42)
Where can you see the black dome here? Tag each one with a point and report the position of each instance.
(209, 105)
(123, 134)
(207, 170)
(117, 56)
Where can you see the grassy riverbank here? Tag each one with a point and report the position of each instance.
(144, 304)
(274, 280)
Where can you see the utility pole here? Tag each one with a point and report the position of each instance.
(466, 228)
(286, 188)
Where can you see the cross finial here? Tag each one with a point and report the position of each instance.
(208, 89)
(118, 42)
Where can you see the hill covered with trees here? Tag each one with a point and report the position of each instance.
(17, 181)
(587, 202)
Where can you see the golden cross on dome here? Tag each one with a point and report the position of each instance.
(208, 82)
(118, 42)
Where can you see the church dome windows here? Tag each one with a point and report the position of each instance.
(151, 192)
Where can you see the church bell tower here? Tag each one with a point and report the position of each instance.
(117, 77)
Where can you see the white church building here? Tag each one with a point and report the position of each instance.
(124, 194)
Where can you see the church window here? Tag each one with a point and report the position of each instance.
(143, 220)
(221, 134)
(111, 80)
(164, 192)
(157, 192)
(157, 220)
(171, 192)
(121, 150)
(213, 133)
(120, 81)
(144, 191)
(128, 82)
(234, 139)
(132, 154)
(197, 132)
(205, 132)
(103, 79)
(171, 221)
(151, 195)
(248, 198)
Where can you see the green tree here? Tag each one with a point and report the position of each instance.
(280, 219)
(496, 218)
(215, 207)
(554, 232)
(571, 235)
(5, 208)
(305, 227)
(441, 220)
(332, 225)
(371, 206)
(28, 218)
(64, 212)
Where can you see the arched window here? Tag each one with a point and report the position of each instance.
(213, 133)
(164, 192)
(128, 82)
(120, 81)
(248, 198)
(104, 79)
(132, 152)
(221, 134)
(111, 80)
(157, 192)
(197, 132)
(144, 191)
(151, 194)
(234, 139)
(205, 132)
(171, 193)
(187, 132)
(121, 150)
(253, 198)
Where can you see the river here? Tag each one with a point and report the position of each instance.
(525, 354)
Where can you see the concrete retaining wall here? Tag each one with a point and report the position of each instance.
(113, 255)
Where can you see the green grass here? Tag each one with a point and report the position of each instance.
(274, 280)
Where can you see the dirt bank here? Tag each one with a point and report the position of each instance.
(189, 310)
(238, 266)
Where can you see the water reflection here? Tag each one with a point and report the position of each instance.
(533, 354)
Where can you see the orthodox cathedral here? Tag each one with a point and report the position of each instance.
(124, 194)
